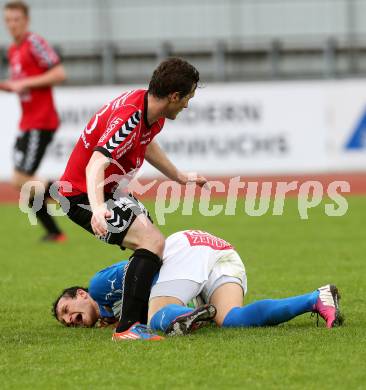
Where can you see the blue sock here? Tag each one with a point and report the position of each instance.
(270, 311)
(163, 318)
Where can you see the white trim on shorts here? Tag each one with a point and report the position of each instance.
(33, 145)
(186, 290)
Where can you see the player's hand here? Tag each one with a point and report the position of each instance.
(17, 86)
(193, 177)
(99, 221)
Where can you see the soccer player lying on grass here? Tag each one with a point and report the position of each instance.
(196, 264)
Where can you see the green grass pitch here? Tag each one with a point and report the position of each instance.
(284, 256)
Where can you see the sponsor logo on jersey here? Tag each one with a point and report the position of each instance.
(200, 238)
(85, 142)
(126, 147)
(145, 141)
(126, 129)
(111, 127)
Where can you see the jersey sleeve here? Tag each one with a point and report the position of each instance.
(120, 132)
(105, 282)
(43, 53)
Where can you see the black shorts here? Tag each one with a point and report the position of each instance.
(29, 149)
(124, 210)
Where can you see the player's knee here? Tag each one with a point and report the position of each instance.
(156, 241)
(16, 182)
(143, 234)
(152, 239)
(219, 319)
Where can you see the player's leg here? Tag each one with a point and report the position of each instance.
(29, 150)
(163, 310)
(143, 234)
(226, 287)
(271, 312)
(168, 311)
(129, 226)
(228, 300)
(226, 284)
(226, 297)
(148, 245)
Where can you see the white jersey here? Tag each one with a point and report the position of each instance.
(192, 254)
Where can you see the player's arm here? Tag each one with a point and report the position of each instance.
(158, 159)
(53, 76)
(95, 174)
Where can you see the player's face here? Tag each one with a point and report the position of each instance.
(177, 104)
(16, 22)
(80, 311)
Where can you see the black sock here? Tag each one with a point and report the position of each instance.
(139, 274)
(47, 221)
(144, 312)
(47, 189)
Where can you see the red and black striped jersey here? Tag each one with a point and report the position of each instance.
(121, 132)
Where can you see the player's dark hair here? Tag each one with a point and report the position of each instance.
(69, 292)
(18, 4)
(173, 75)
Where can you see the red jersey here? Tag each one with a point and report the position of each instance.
(121, 132)
(32, 57)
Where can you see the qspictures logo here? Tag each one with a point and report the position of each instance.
(248, 198)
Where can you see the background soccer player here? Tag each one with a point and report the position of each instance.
(34, 69)
(110, 150)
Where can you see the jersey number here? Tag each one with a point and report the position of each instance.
(89, 130)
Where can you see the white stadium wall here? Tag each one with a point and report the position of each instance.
(238, 128)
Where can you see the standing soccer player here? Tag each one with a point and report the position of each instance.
(112, 147)
(34, 69)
